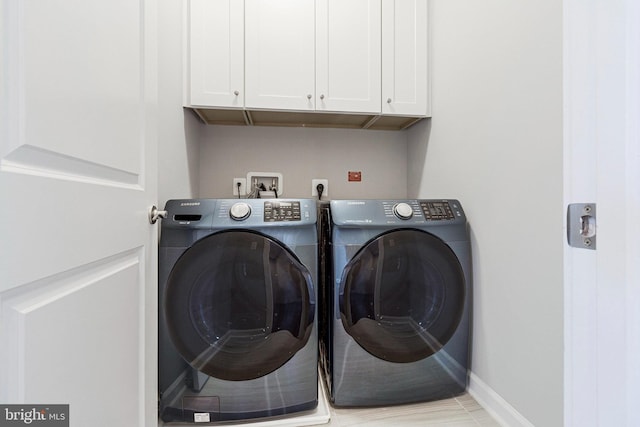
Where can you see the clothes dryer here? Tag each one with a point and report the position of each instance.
(237, 309)
(402, 296)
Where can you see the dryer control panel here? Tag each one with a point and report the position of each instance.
(435, 211)
(412, 212)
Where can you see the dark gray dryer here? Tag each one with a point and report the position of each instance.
(237, 304)
(401, 302)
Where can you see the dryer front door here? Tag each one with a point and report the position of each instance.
(402, 295)
(239, 305)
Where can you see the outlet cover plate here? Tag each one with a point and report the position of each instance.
(314, 187)
(243, 186)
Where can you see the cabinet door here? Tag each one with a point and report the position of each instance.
(216, 35)
(280, 65)
(404, 57)
(348, 55)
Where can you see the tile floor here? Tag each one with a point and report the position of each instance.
(461, 411)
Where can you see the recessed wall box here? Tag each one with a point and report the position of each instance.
(264, 181)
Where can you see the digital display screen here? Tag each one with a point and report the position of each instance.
(437, 210)
(281, 211)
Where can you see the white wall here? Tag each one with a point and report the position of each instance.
(179, 130)
(495, 142)
(302, 154)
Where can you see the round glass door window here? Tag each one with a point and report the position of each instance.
(402, 295)
(239, 305)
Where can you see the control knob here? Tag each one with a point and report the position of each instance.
(240, 211)
(403, 210)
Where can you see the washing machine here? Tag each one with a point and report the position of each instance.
(237, 309)
(401, 302)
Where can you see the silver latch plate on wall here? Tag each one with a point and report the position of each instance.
(581, 225)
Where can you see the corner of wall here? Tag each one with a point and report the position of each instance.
(495, 405)
(417, 143)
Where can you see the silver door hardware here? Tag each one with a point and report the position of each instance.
(155, 214)
(581, 225)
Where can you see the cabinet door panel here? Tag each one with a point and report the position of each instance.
(348, 55)
(404, 57)
(280, 53)
(216, 29)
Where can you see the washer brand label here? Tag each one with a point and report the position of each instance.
(34, 415)
(190, 204)
(356, 203)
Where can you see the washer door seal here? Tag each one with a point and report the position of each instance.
(402, 295)
(238, 305)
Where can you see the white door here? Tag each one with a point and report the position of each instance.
(602, 164)
(279, 54)
(348, 55)
(404, 57)
(216, 53)
(77, 175)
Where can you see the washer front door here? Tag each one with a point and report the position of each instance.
(402, 295)
(239, 305)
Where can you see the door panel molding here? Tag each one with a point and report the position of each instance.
(39, 317)
(30, 160)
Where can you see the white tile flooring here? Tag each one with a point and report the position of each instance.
(460, 411)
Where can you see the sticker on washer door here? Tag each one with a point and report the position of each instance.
(201, 418)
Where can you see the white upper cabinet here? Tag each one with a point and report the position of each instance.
(348, 55)
(362, 57)
(404, 58)
(279, 54)
(216, 54)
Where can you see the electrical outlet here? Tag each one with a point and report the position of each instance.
(264, 181)
(243, 186)
(314, 187)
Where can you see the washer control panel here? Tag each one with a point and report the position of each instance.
(240, 211)
(275, 211)
(264, 212)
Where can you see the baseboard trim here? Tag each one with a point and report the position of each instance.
(495, 405)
